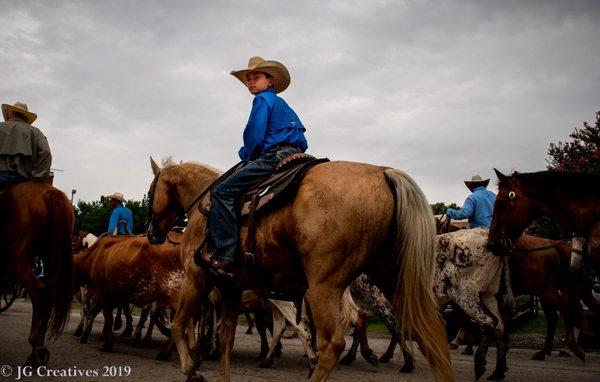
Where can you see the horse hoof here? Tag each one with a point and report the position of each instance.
(38, 357)
(348, 359)
(264, 364)
(479, 369)
(580, 355)
(453, 346)
(260, 356)
(407, 368)
(127, 332)
(539, 356)
(136, 343)
(496, 377)
(372, 359)
(106, 348)
(385, 359)
(78, 332)
(467, 351)
(249, 331)
(118, 325)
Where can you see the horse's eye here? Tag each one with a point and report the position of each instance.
(512, 195)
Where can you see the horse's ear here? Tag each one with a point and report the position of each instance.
(155, 167)
(500, 175)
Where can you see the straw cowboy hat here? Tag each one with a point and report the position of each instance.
(118, 196)
(281, 76)
(476, 181)
(18, 107)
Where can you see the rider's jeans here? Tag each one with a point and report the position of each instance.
(223, 215)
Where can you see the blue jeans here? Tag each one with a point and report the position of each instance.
(224, 227)
(7, 178)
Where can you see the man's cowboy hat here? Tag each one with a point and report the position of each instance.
(118, 196)
(476, 181)
(281, 76)
(18, 107)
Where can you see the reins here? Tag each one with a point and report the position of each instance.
(538, 249)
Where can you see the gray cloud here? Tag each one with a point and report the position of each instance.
(442, 90)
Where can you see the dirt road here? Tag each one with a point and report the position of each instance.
(68, 356)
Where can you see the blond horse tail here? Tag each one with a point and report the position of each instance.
(413, 299)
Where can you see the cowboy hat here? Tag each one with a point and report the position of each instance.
(280, 74)
(118, 196)
(18, 107)
(476, 181)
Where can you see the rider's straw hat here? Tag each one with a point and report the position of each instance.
(476, 181)
(280, 74)
(118, 196)
(18, 107)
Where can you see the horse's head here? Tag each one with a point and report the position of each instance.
(163, 207)
(513, 212)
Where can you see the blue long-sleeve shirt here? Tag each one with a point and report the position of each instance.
(478, 208)
(121, 217)
(272, 122)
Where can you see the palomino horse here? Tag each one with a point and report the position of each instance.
(37, 221)
(572, 199)
(346, 219)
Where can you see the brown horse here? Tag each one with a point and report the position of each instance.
(572, 199)
(127, 269)
(37, 221)
(346, 219)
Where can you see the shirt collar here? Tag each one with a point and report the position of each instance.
(478, 188)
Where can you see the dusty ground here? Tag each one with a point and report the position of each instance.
(67, 353)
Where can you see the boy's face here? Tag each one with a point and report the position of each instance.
(258, 82)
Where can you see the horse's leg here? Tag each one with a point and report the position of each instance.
(491, 303)
(165, 353)
(350, 356)
(278, 329)
(325, 303)
(459, 338)
(128, 322)
(147, 341)
(409, 361)
(79, 330)
(365, 350)
(229, 315)
(189, 297)
(137, 334)
(551, 321)
(92, 310)
(118, 320)
(109, 335)
(261, 328)
(41, 312)
(250, 322)
(389, 353)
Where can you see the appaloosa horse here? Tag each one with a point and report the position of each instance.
(572, 199)
(37, 221)
(346, 219)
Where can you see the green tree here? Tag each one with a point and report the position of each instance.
(441, 207)
(94, 216)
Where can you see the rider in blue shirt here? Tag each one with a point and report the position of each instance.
(121, 219)
(479, 206)
(272, 133)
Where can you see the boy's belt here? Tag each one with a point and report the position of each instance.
(284, 146)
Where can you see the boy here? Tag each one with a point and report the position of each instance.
(272, 133)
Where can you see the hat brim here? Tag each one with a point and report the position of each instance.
(281, 76)
(6, 109)
(122, 200)
(471, 185)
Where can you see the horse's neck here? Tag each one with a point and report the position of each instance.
(190, 182)
(576, 215)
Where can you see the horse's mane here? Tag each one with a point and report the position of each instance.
(170, 162)
(577, 184)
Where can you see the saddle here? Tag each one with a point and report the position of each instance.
(288, 174)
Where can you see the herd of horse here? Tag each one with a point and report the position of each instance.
(353, 242)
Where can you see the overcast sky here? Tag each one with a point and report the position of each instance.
(442, 90)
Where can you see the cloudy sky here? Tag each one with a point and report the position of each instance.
(442, 90)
